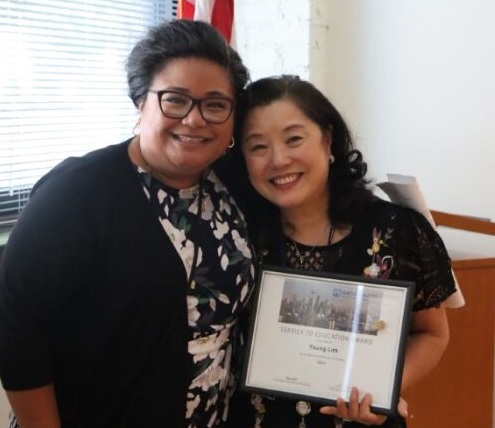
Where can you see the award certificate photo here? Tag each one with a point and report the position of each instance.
(314, 336)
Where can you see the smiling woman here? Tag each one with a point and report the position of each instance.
(126, 273)
(281, 135)
(310, 207)
(176, 145)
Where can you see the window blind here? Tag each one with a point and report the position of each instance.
(63, 90)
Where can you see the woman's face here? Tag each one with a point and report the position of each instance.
(287, 156)
(178, 150)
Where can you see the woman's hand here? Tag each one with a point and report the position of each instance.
(360, 411)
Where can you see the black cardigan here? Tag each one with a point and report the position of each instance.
(93, 299)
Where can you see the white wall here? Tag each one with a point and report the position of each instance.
(423, 98)
(414, 80)
(273, 36)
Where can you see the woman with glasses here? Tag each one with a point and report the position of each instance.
(122, 282)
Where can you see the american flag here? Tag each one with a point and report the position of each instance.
(219, 13)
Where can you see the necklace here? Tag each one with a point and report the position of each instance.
(308, 258)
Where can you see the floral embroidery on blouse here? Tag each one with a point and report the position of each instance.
(381, 265)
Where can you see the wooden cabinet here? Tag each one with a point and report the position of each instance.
(459, 392)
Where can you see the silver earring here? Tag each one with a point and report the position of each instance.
(232, 143)
(137, 127)
(331, 159)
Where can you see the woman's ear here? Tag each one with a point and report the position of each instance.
(142, 102)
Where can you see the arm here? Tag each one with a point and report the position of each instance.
(35, 408)
(428, 339)
(421, 257)
(39, 274)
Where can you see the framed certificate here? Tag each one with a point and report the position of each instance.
(313, 336)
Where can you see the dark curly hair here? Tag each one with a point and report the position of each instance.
(347, 184)
(180, 39)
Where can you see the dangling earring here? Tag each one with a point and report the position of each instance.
(331, 159)
(137, 127)
(232, 143)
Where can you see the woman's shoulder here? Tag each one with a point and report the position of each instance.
(382, 212)
(382, 207)
(86, 170)
(96, 160)
(403, 226)
(83, 183)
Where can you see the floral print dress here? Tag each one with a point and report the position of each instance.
(209, 233)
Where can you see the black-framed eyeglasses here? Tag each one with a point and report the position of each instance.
(177, 105)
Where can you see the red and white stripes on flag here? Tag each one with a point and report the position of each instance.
(219, 13)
